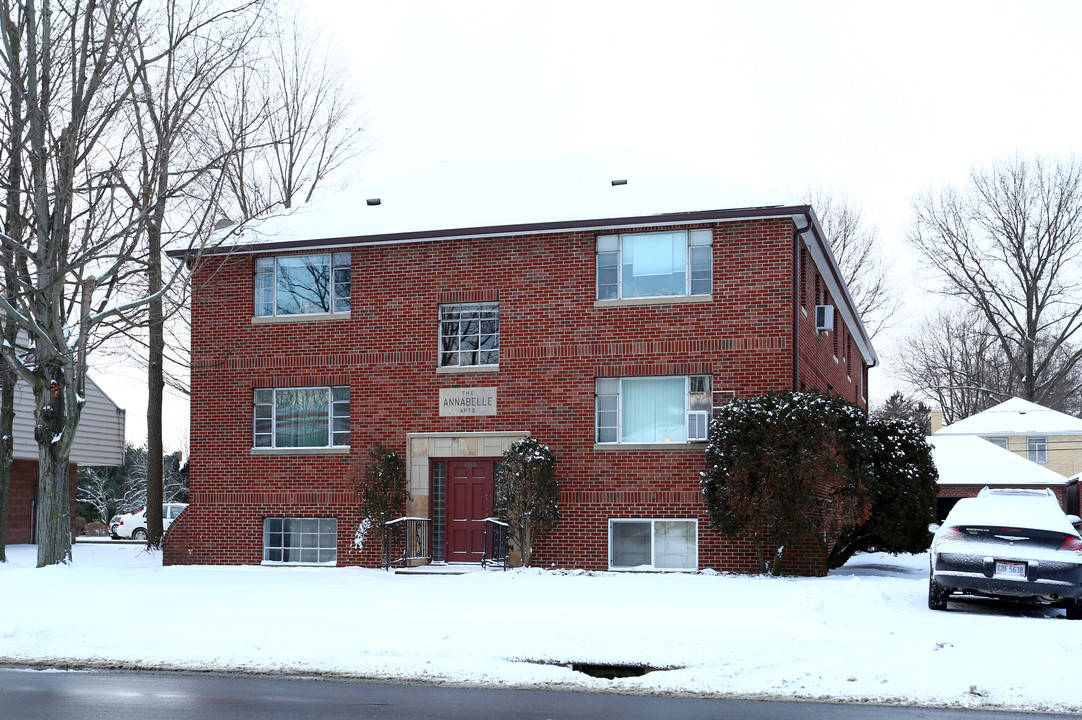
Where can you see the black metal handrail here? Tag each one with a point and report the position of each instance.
(496, 547)
(414, 535)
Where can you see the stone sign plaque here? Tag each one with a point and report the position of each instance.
(467, 401)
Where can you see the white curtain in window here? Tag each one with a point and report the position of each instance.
(630, 544)
(674, 544)
(654, 264)
(653, 410)
(301, 417)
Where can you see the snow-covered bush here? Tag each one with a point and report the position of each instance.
(526, 494)
(787, 469)
(380, 482)
(902, 489)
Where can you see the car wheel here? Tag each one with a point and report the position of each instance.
(1074, 609)
(937, 595)
(140, 534)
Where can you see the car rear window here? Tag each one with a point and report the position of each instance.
(1006, 535)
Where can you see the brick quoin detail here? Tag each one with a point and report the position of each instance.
(554, 341)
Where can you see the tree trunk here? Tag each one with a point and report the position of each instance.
(15, 230)
(155, 386)
(54, 485)
(7, 420)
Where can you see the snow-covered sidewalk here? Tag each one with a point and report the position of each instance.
(862, 634)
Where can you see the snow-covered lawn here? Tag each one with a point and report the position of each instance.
(862, 634)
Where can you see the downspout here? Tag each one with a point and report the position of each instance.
(796, 300)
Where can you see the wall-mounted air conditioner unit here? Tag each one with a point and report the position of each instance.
(824, 317)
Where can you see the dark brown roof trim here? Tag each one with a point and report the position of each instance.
(490, 230)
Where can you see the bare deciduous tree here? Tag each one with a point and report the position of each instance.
(954, 359)
(69, 274)
(177, 178)
(65, 59)
(309, 114)
(1009, 245)
(857, 248)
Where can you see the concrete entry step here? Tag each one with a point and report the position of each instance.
(447, 569)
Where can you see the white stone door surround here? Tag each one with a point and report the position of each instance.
(422, 446)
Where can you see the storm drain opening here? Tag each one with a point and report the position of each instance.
(605, 671)
(611, 672)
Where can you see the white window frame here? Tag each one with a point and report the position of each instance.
(653, 552)
(325, 542)
(479, 307)
(697, 420)
(1000, 441)
(610, 248)
(337, 409)
(1037, 450)
(340, 282)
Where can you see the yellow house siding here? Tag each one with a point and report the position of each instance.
(1064, 451)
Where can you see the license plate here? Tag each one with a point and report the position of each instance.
(1010, 569)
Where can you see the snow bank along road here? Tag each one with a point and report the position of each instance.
(863, 634)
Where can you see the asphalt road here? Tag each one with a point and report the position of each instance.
(27, 694)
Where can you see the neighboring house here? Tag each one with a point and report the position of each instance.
(604, 303)
(1047, 437)
(99, 440)
(967, 463)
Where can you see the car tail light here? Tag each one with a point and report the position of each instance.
(1071, 543)
(951, 533)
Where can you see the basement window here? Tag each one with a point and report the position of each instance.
(653, 544)
(300, 541)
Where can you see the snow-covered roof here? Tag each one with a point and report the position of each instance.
(970, 460)
(479, 194)
(1015, 417)
(599, 189)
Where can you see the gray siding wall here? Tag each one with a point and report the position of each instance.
(99, 439)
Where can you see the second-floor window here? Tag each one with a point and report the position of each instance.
(302, 285)
(665, 409)
(470, 334)
(1037, 449)
(654, 264)
(301, 417)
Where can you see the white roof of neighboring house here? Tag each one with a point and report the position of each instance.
(99, 439)
(1015, 417)
(970, 460)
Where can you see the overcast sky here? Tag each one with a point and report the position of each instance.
(870, 99)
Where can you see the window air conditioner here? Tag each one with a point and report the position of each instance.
(824, 317)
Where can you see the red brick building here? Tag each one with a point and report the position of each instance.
(605, 314)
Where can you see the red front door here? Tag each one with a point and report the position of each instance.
(469, 502)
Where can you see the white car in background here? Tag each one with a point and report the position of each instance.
(134, 525)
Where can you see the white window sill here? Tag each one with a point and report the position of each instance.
(318, 317)
(666, 300)
(459, 369)
(301, 451)
(697, 445)
(652, 569)
(271, 563)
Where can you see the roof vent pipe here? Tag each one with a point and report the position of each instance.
(619, 182)
(372, 201)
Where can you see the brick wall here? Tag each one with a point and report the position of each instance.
(554, 341)
(24, 479)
